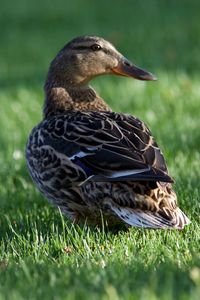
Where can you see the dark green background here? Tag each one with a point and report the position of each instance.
(159, 34)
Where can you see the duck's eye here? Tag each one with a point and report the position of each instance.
(96, 47)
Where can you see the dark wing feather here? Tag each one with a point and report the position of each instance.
(107, 146)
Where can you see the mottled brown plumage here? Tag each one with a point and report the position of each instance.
(90, 161)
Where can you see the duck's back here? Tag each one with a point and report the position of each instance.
(103, 144)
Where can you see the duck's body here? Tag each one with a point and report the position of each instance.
(90, 161)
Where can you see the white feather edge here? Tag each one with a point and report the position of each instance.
(149, 219)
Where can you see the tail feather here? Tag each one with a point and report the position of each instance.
(149, 219)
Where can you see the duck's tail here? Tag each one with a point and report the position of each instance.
(147, 219)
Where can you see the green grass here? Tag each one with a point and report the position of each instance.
(42, 256)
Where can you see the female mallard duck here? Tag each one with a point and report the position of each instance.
(90, 161)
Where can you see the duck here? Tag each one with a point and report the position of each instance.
(91, 162)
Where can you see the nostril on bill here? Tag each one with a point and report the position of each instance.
(127, 63)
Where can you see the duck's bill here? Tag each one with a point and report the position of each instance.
(126, 68)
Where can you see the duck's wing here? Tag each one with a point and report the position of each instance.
(107, 146)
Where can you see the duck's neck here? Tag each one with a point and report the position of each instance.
(60, 97)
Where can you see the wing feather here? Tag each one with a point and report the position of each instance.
(107, 146)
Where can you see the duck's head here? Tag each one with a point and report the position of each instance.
(89, 56)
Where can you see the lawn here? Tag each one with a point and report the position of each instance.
(43, 256)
